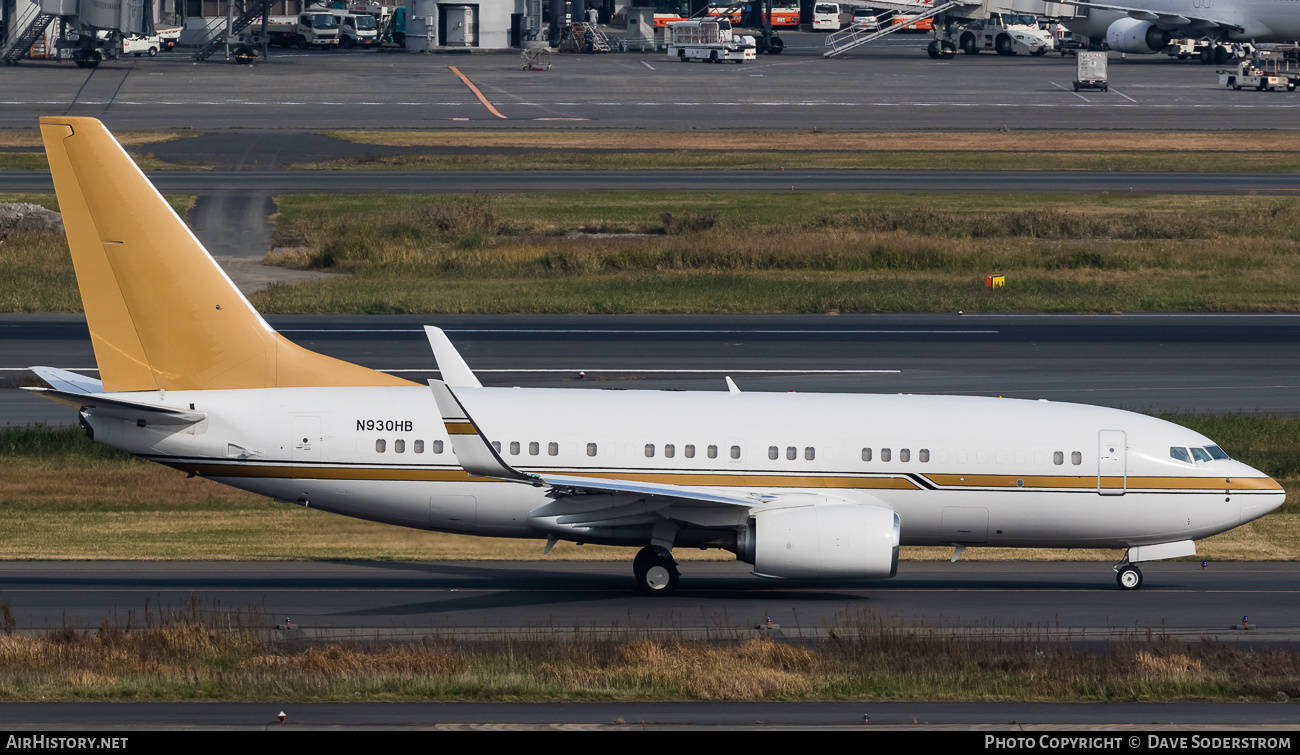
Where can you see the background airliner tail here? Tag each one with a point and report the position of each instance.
(162, 313)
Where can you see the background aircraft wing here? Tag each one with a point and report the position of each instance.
(1163, 20)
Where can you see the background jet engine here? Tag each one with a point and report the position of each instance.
(828, 538)
(1132, 35)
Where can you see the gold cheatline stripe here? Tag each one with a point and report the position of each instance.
(440, 475)
(1090, 482)
(461, 428)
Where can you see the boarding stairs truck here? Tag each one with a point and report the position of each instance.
(1005, 34)
(982, 24)
(709, 39)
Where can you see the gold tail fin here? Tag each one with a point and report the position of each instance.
(161, 313)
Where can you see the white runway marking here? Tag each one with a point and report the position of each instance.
(1076, 94)
(647, 65)
(1125, 96)
(622, 332)
(576, 370)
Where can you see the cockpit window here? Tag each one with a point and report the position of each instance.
(1216, 452)
(1199, 455)
(1180, 453)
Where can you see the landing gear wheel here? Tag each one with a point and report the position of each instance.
(968, 44)
(932, 49)
(656, 572)
(1220, 55)
(947, 50)
(1206, 55)
(775, 46)
(1129, 577)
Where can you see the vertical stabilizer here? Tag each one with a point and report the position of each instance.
(162, 314)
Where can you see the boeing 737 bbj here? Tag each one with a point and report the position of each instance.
(801, 486)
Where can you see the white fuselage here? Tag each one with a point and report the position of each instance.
(1262, 20)
(957, 470)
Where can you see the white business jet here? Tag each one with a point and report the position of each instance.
(801, 486)
(1144, 26)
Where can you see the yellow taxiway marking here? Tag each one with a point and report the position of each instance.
(476, 92)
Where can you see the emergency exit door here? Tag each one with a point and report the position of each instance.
(1112, 462)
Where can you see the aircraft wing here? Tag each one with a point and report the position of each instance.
(1161, 19)
(118, 408)
(579, 500)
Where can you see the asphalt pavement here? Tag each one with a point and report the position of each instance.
(890, 86)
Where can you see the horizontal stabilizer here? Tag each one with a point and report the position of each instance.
(68, 381)
(131, 411)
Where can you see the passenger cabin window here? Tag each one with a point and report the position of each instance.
(649, 450)
(884, 454)
(866, 454)
(591, 449)
(713, 452)
(791, 453)
(399, 446)
(1180, 453)
(437, 446)
(809, 453)
(1076, 458)
(380, 445)
(690, 452)
(735, 452)
(534, 448)
(670, 450)
(553, 449)
(496, 446)
(773, 452)
(1058, 458)
(419, 447)
(923, 455)
(904, 454)
(514, 448)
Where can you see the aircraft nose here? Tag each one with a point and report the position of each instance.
(1265, 497)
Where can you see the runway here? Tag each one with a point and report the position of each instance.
(262, 184)
(889, 86)
(1204, 363)
(1075, 601)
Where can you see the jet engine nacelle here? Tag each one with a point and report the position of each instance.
(1132, 35)
(828, 538)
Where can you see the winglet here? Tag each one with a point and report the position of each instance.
(450, 363)
(731, 385)
(473, 451)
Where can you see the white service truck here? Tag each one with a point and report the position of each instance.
(830, 16)
(141, 44)
(709, 39)
(1005, 34)
(305, 30)
(356, 29)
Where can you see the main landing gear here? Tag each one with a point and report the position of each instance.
(1128, 575)
(656, 571)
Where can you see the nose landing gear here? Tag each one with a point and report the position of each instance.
(1128, 575)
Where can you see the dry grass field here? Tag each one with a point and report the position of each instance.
(196, 656)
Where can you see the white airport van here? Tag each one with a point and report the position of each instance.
(829, 17)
